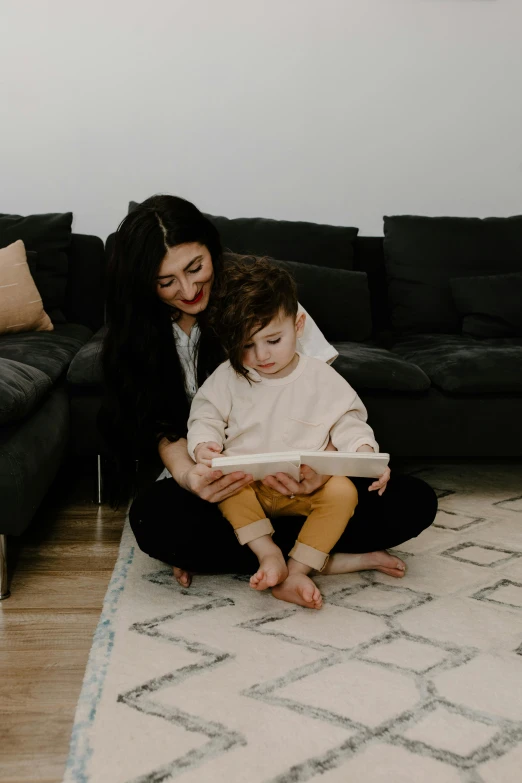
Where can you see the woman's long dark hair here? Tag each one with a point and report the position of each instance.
(144, 386)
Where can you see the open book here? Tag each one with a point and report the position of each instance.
(328, 463)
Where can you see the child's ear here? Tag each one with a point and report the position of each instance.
(300, 324)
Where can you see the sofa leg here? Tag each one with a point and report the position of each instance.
(4, 591)
(100, 481)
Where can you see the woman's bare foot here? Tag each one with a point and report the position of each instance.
(299, 589)
(272, 570)
(345, 563)
(184, 578)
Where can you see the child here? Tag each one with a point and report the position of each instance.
(268, 398)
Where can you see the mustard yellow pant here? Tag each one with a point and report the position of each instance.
(328, 510)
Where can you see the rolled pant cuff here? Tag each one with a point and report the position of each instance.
(309, 556)
(248, 533)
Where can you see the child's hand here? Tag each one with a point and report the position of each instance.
(381, 482)
(204, 453)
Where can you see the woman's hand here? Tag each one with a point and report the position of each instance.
(212, 485)
(381, 482)
(286, 485)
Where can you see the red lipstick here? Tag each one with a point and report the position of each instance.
(195, 300)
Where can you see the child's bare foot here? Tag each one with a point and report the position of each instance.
(184, 578)
(299, 589)
(344, 563)
(272, 570)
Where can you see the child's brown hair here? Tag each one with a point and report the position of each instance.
(253, 292)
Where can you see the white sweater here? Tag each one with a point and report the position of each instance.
(312, 342)
(302, 411)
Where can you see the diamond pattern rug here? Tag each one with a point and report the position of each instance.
(412, 680)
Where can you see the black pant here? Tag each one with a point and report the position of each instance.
(175, 526)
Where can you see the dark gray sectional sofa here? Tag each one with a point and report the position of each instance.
(439, 365)
(432, 388)
(34, 398)
(426, 321)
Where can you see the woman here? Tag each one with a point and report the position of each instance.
(159, 348)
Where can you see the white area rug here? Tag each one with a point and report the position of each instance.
(413, 680)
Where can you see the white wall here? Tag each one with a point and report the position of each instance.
(330, 110)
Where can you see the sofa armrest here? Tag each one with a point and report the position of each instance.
(86, 368)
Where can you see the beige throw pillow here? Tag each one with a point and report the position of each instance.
(21, 308)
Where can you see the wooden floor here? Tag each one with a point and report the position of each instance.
(60, 569)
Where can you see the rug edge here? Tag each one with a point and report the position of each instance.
(97, 664)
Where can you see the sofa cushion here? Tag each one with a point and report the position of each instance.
(423, 253)
(31, 452)
(21, 389)
(337, 299)
(86, 367)
(309, 243)
(84, 298)
(48, 237)
(49, 271)
(50, 352)
(21, 308)
(365, 366)
(463, 365)
(50, 231)
(489, 305)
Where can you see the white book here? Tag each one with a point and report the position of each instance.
(363, 464)
(261, 465)
(329, 463)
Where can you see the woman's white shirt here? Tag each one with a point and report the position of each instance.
(311, 343)
(186, 345)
